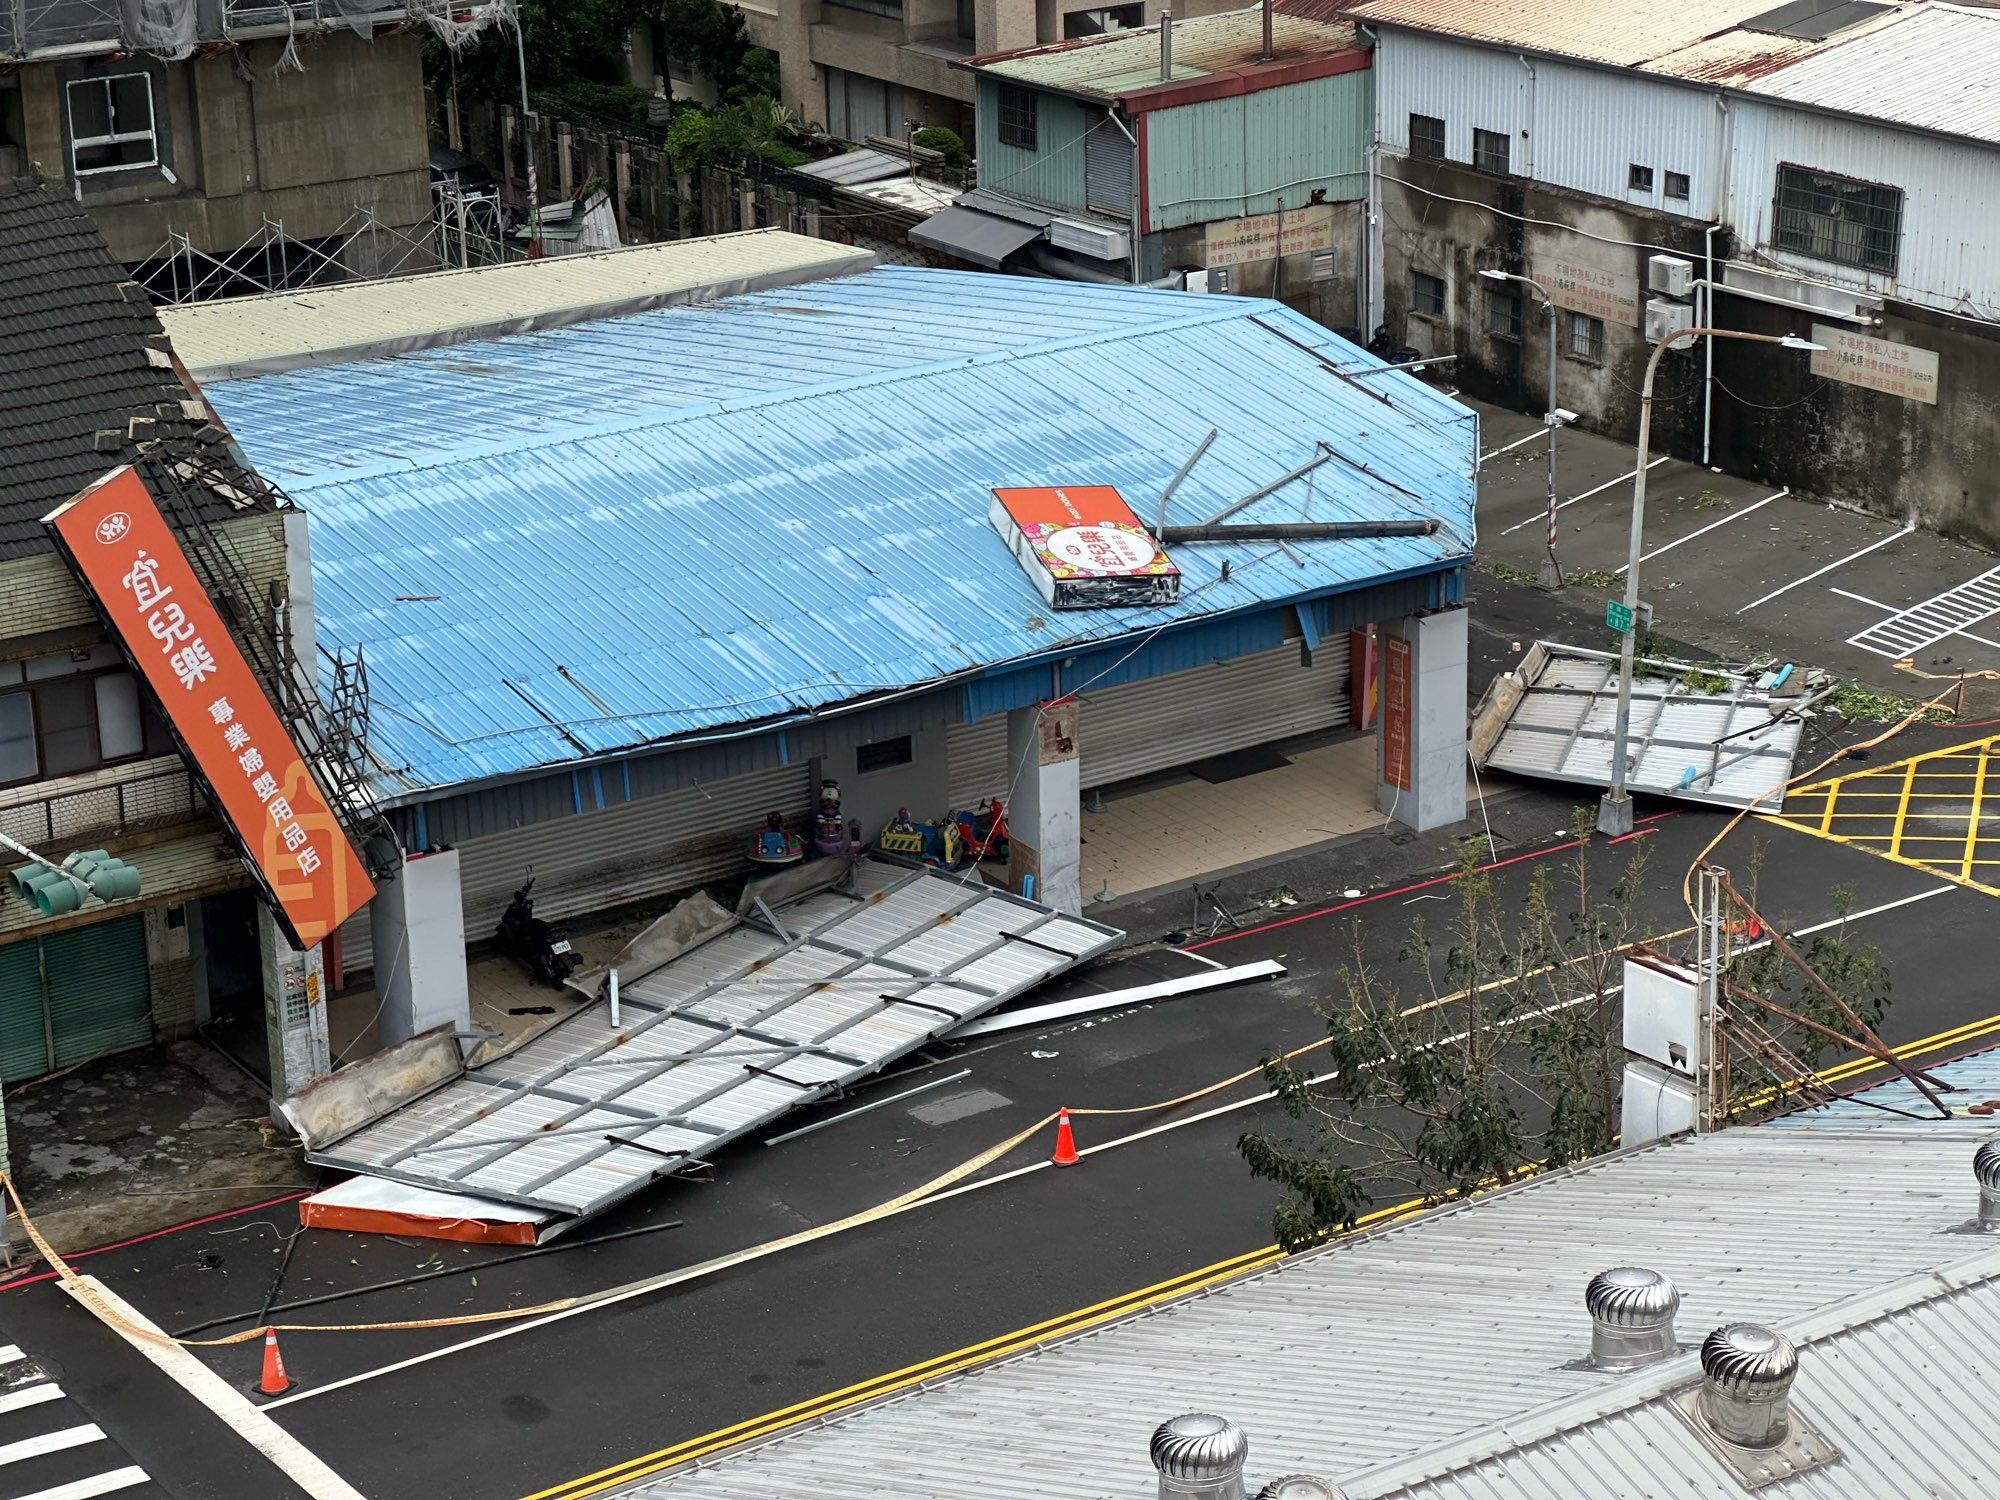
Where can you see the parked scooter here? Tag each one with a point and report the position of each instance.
(1385, 348)
(542, 947)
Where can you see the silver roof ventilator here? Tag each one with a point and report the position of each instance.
(1631, 1317)
(1986, 1167)
(1200, 1457)
(1742, 1408)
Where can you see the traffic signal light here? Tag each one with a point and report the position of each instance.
(56, 892)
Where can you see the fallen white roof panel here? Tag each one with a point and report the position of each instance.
(722, 1040)
(1730, 748)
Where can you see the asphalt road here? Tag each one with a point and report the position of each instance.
(529, 1410)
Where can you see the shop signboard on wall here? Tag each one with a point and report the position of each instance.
(1396, 711)
(126, 555)
(1612, 296)
(1239, 242)
(1083, 547)
(1875, 364)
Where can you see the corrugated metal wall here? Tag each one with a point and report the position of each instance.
(604, 859)
(1053, 172)
(1586, 127)
(1231, 158)
(1951, 199)
(1150, 725)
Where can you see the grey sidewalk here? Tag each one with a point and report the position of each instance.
(1739, 568)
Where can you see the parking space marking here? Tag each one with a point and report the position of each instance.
(1542, 515)
(1822, 572)
(1518, 442)
(1890, 609)
(1922, 626)
(1737, 516)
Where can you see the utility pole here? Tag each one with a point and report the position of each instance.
(1614, 812)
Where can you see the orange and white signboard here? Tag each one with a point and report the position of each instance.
(126, 555)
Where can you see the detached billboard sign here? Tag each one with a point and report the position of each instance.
(1083, 547)
(125, 553)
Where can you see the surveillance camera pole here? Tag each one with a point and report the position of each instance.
(1614, 812)
(1550, 574)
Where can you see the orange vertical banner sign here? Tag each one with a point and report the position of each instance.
(122, 548)
(1396, 711)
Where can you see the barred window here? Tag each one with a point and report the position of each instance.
(1838, 218)
(1427, 294)
(1503, 312)
(1427, 137)
(1490, 152)
(1586, 337)
(1017, 118)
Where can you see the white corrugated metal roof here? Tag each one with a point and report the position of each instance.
(1937, 68)
(1730, 748)
(1701, 40)
(1432, 1333)
(758, 1020)
(244, 336)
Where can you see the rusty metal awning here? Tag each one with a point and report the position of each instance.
(780, 1009)
(1554, 716)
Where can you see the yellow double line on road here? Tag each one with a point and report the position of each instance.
(1959, 1038)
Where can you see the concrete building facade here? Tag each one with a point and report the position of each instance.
(1710, 166)
(238, 137)
(864, 67)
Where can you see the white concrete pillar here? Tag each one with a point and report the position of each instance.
(1420, 762)
(1045, 819)
(294, 1010)
(418, 924)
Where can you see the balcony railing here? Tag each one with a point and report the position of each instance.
(67, 814)
(54, 28)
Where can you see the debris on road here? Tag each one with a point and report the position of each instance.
(1699, 732)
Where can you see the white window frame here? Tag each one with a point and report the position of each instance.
(78, 143)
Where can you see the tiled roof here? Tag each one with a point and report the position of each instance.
(74, 336)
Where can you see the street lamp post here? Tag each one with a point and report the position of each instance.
(1614, 812)
(1550, 575)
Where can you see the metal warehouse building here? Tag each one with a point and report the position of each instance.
(623, 586)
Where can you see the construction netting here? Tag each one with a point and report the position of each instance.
(173, 29)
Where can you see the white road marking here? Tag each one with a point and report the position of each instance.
(1541, 516)
(1893, 536)
(108, 1483)
(1517, 443)
(50, 1442)
(1704, 531)
(1922, 626)
(691, 1273)
(11, 1354)
(293, 1458)
(33, 1395)
(1890, 609)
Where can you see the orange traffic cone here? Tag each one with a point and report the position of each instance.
(275, 1382)
(1066, 1155)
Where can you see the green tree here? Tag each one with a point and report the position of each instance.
(1510, 1056)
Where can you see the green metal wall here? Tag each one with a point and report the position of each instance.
(1231, 158)
(1051, 174)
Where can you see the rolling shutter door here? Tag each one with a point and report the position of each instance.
(24, 1029)
(73, 996)
(98, 990)
(1162, 722)
(625, 853)
(1107, 168)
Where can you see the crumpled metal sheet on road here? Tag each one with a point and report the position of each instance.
(1555, 715)
(780, 1010)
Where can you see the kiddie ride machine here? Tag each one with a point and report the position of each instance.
(776, 847)
(951, 843)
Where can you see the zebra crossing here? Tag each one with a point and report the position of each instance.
(1922, 626)
(50, 1449)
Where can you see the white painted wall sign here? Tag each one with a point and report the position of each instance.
(1876, 364)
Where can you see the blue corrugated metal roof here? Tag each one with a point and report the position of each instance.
(694, 518)
(1973, 1080)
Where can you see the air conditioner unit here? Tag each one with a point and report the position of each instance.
(1664, 318)
(1669, 274)
(1100, 241)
